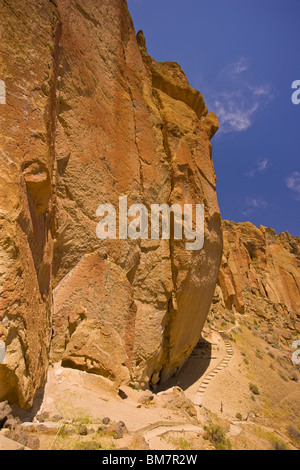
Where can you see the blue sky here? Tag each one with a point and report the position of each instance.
(243, 56)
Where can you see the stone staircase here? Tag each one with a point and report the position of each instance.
(209, 377)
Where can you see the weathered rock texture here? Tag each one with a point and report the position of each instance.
(28, 34)
(91, 117)
(260, 276)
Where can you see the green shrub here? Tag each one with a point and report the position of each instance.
(294, 377)
(89, 445)
(184, 444)
(63, 431)
(294, 433)
(254, 389)
(217, 436)
(283, 376)
(279, 445)
(258, 355)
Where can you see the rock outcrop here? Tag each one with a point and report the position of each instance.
(90, 117)
(260, 276)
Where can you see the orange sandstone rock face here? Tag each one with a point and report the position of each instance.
(28, 38)
(128, 126)
(260, 273)
(91, 117)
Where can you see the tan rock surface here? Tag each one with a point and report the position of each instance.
(91, 117)
(28, 37)
(260, 274)
(138, 129)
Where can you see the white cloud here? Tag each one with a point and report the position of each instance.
(262, 90)
(236, 68)
(261, 166)
(233, 112)
(293, 183)
(254, 204)
(236, 100)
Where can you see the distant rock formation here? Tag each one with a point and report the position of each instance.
(260, 276)
(91, 116)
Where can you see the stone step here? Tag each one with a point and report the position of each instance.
(8, 444)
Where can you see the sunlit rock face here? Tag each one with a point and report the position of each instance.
(90, 117)
(260, 274)
(29, 35)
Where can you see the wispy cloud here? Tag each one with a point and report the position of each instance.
(236, 68)
(234, 113)
(238, 101)
(253, 205)
(293, 183)
(261, 167)
(262, 90)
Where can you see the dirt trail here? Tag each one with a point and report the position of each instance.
(160, 428)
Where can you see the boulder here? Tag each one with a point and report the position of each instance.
(175, 399)
(5, 410)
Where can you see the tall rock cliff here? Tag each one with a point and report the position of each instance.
(28, 38)
(90, 117)
(260, 276)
